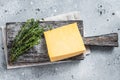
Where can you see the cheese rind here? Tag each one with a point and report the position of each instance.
(64, 42)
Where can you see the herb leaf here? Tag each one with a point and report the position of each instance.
(29, 35)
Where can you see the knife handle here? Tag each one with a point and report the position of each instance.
(102, 40)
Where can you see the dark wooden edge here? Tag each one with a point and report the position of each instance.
(110, 39)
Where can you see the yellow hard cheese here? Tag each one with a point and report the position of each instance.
(64, 42)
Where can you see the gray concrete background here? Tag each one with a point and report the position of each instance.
(99, 16)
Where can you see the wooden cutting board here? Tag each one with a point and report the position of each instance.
(38, 54)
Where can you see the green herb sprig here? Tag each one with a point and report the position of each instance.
(29, 35)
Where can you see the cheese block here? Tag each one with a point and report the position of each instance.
(64, 42)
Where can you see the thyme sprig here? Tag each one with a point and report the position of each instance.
(29, 35)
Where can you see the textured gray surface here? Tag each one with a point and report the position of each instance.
(101, 64)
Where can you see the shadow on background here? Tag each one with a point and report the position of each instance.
(55, 68)
(106, 50)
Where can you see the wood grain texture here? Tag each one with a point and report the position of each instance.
(102, 40)
(38, 54)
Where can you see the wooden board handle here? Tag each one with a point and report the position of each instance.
(102, 40)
